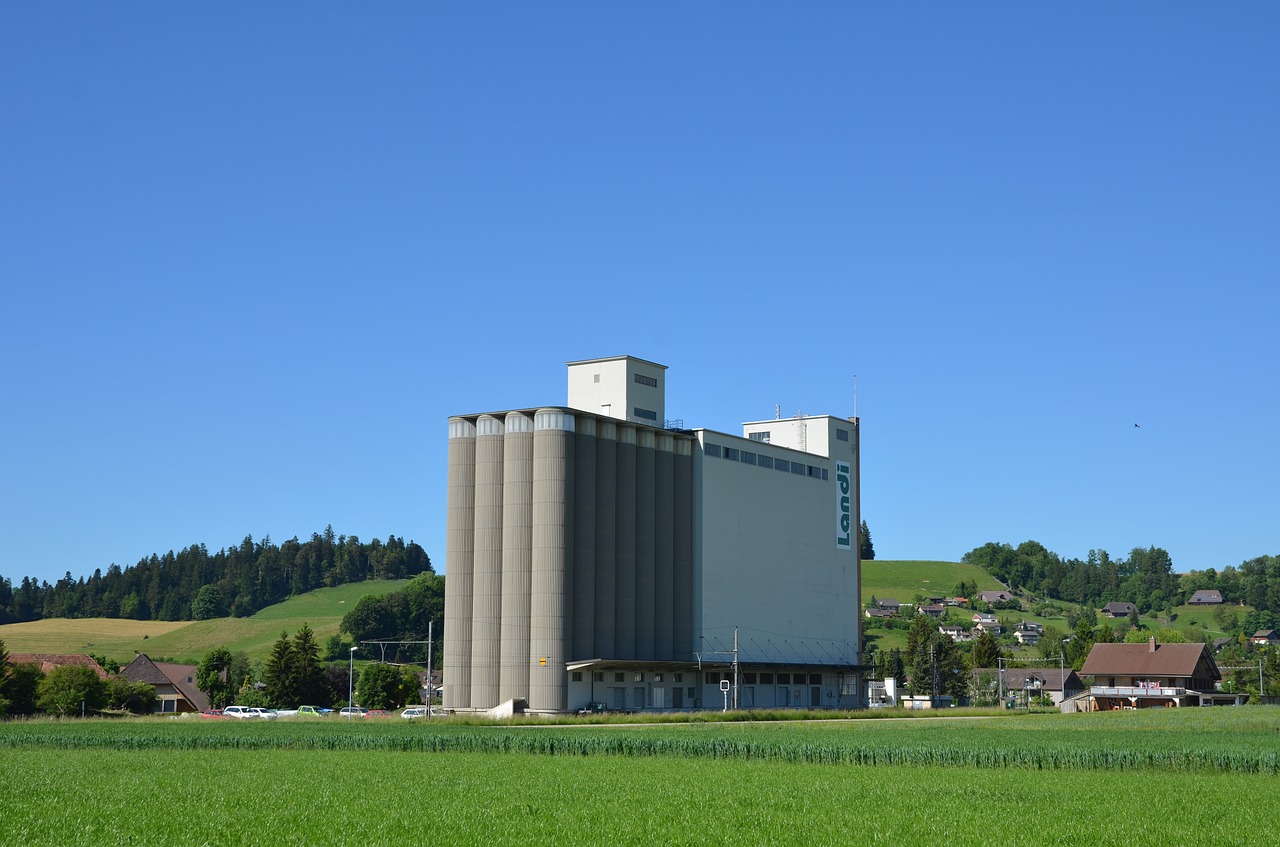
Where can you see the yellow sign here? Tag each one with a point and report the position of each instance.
(543, 661)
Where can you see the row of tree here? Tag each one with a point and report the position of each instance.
(1146, 578)
(294, 675)
(194, 584)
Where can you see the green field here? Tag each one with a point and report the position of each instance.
(189, 641)
(1203, 775)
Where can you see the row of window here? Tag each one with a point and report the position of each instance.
(760, 460)
(754, 678)
(646, 380)
(711, 677)
(620, 676)
(644, 414)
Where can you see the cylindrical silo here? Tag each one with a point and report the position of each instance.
(646, 460)
(584, 539)
(664, 550)
(553, 452)
(682, 544)
(625, 534)
(486, 605)
(459, 562)
(517, 555)
(605, 638)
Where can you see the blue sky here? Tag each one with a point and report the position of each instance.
(254, 255)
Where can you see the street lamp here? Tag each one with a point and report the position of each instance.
(351, 665)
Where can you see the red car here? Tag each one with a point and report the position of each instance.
(212, 714)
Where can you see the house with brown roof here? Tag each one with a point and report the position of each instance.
(175, 685)
(1265, 637)
(1146, 675)
(1119, 610)
(1057, 684)
(48, 661)
(995, 596)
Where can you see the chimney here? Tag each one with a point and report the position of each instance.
(1151, 644)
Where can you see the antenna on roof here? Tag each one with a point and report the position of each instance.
(777, 411)
(855, 395)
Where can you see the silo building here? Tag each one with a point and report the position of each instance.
(598, 553)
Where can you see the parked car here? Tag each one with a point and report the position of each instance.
(352, 712)
(264, 714)
(237, 712)
(376, 713)
(213, 714)
(309, 712)
(414, 712)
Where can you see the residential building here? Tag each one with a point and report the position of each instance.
(933, 610)
(956, 632)
(1206, 597)
(1057, 684)
(1145, 675)
(595, 555)
(995, 596)
(1119, 610)
(175, 685)
(48, 661)
(1265, 637)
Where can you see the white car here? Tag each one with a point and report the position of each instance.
(248, 712)
(414, 712)
(264, 714)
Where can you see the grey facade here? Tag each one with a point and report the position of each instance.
(594, 556)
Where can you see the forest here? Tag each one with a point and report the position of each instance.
(194, 584)
(1146, 578)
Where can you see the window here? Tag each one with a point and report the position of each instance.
(748, 458)
(784, 679)
(762, 437)
(711, 678)
(824, 473)
(815, 472)
(598, 676)
(713, 450)
(619, 677)
(657, 677)
(577, 676)
(766, 679)
(815, 679)
(842, 435)
(731, 454)
(644, 414)
(797, 468)
(781, 465)
(748, 678)
(679, 677)
(646, 380)
(597, 378)
(766, 461)
(639, 678)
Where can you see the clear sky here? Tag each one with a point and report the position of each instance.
(253, 255)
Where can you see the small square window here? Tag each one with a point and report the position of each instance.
(797, 468)
(577, 676)
(766, 461)
(678, 677)
(781, 465)
(657, 677)
(731, 454)
(639, 677)
(766, 679)
(748, 458)
(842, 435)
(598, 676)
(713, 450)
(619, 677)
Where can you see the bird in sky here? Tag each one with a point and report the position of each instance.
(1137, 426)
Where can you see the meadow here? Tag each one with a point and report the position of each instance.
(1175, 775)
(189, 641)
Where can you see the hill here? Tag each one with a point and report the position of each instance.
(903, 580)
(189, 641)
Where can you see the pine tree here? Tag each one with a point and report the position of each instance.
(867, 549)
(276, 673)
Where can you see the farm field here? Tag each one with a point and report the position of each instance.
(1206, 775)
(189, 641)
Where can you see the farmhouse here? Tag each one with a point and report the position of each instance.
(175, 685)
(1265, 637)
(1119, 610)
(48, 661)
(1205, 597)
(1141, 676)
(995, 596)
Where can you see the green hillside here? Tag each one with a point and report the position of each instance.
(903, 580)
(189, 641)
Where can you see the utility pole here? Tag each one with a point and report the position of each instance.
(430, 627)
(735, 669)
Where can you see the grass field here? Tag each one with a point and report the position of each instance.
(333, 783)
(189, 641)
